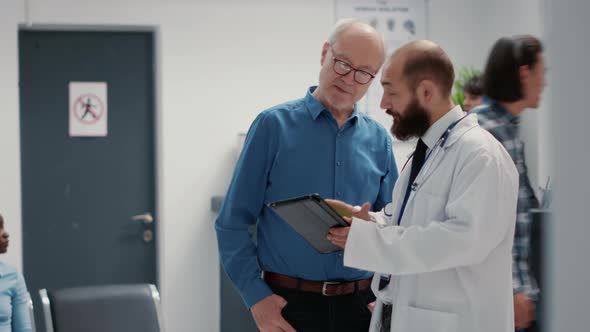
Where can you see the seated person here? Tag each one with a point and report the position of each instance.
(14, 298)
(473, 92)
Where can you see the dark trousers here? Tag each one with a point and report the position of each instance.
(533, 328)
(313, 312)
(386, 313)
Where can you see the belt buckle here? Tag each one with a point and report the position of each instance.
(325, 285)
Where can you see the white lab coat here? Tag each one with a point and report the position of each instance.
(451, 257)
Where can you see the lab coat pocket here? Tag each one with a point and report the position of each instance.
(427, 207)
(423, 320)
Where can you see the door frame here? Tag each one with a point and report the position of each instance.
(157, 134)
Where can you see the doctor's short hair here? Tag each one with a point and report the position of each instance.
(502, 72)
(1, 221)
(429, 64)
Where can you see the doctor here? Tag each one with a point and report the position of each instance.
(443, 249)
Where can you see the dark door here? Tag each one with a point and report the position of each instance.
(80, 195)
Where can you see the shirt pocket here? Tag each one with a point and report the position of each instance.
(424, 320)
(5, 310)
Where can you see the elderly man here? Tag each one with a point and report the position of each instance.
(317, 144)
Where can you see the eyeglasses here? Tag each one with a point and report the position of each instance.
(360, 76)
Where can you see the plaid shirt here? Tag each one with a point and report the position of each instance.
(504, 126)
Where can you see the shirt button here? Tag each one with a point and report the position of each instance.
(338, 163)
(339, 194)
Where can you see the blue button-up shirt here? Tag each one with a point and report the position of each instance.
(291, 150)
(14, 300)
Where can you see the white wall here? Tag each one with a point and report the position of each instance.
(568, 271)
(467, 30)
(10, 193)
(219, 66)
(226, 60)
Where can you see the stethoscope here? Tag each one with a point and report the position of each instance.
(388, 210)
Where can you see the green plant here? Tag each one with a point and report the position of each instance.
(464, 75)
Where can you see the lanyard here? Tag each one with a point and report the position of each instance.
(441, 141)
(439, 144)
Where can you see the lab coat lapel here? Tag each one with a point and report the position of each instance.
(433, 162)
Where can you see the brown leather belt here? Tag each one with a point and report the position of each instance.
(326, 288)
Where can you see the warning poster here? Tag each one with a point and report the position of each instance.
(88, 109)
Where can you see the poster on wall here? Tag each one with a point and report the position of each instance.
(88, 109)
(400, 21)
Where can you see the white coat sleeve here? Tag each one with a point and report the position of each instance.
(479, 210)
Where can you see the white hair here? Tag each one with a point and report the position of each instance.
(346, 23)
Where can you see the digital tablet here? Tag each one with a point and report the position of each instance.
(312, 218)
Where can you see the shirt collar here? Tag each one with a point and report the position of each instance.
(4, 269)
(503, 113)
(316, 108)
(434, 133)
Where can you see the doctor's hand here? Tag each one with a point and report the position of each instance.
(268, 317)
(348, 211)
(524, 311)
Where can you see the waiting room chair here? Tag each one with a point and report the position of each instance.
(112, 308)
(32, 314)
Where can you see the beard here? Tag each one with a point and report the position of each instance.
(414, 123)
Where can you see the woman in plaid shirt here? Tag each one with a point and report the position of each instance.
(514, 79)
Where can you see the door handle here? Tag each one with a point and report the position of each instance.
(145, 218)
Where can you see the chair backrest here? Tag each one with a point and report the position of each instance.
(31, 314)
(113, 308)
